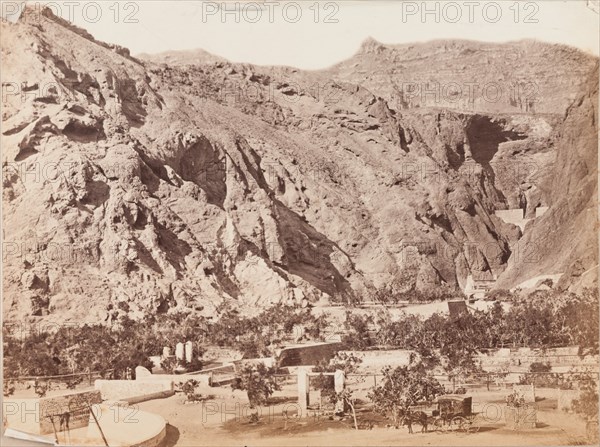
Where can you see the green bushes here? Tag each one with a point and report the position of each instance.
(130, 343)
(189, 389)
(541, 376)
(587, 404)
(258, 381)
(257, 336)
(545, 319)
(403, 387)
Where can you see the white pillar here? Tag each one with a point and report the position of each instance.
(179, 351)
(189, 351)
(303, 390)
(339, 379)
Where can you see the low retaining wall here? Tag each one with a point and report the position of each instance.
(123, 390)
(506, 357)
(36, 415)
(144, 375)
(307, 354)
(145, 397)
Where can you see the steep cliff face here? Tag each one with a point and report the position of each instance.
(140, 187)
(565, 239)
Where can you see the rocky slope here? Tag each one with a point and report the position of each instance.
(137, 186)
(565, 239)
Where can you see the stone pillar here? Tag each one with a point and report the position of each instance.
(189, 351)
(179, 351)
(166, 352)
(303, 391)
(339, 383)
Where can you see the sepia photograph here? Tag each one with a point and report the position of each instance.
(300, 223)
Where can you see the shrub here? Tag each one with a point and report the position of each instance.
(189, 389)
(515, 400)
(258, 381)
(41, 388)
(8, 388)
(539, 367)
(72, 383)
(342, 361)
(587, 404)
(404, 387)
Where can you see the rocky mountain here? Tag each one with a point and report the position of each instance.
(169, 183)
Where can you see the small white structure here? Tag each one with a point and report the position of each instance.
(478, 287)
(304, 375)
(339, 379)
(527, 391)
(179, 351)
(166, 352)
(189, 351)
(514, 216)
(303, 389)
(517, 216)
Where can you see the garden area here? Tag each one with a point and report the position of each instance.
(404, 399)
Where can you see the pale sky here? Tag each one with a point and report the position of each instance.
(339, 29)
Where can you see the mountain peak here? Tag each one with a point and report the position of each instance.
(370, 45)
(183, 57)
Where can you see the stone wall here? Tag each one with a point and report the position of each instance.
(374, 361)
(307, 354)
(558, 358)
(36, 415)
(116, 390)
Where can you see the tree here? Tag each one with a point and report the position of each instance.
(459, 340)
(587, 405)
(404, 387)
(357, 331)
(346, 396)
(258, 381)
(578, 320)
(342, 361)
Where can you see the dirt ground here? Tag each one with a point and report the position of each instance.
(222, 420)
